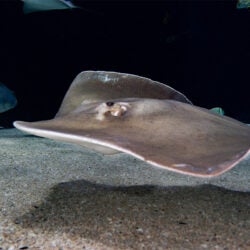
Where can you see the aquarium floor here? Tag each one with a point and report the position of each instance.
(60, 196)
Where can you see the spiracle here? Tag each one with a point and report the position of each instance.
(116, 109)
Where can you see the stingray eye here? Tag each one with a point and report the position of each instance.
(109, 104)
(107, 109)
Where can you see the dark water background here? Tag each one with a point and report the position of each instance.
(200, 48)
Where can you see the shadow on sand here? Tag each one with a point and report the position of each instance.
(150, 216)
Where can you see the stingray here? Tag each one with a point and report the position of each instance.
(30, 6)
(7, 99)
(114, 112)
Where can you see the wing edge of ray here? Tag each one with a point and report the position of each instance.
(60, 135)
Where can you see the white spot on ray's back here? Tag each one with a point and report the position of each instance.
(107, 78)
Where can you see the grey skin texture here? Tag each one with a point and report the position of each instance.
(166, 133)
(7, 99)
(91, 86)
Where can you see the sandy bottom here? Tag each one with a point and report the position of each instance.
(60, 196)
